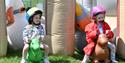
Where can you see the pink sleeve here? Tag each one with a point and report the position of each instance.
(90, 32)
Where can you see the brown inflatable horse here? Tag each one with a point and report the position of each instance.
(101, 52)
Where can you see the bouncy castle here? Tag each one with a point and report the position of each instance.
(61, 19)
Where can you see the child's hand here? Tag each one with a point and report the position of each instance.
(107, 31)
(42, 38)
(109, 34)
(42, 46)
(28, 27)
(34, 35)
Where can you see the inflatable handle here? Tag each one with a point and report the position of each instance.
(10, 14)
(20, 10)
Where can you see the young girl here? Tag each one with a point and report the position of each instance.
(32, 30)
(93, 30)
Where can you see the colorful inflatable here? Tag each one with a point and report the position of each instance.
(82, 17)
(16, 21)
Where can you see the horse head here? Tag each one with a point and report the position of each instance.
(101, 52)
(102, 40)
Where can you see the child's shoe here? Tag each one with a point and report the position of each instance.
(23, 60)
(114, 61)
(46, 60)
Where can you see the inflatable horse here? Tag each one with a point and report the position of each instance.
(101, 52)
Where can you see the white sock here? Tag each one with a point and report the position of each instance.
(85, 59)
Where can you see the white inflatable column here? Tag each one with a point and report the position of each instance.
(121, 29)
(60, 26)
(15, 30)
(3, 32)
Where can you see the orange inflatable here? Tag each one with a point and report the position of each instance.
(10, 16)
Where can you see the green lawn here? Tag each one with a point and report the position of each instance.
(15, 57)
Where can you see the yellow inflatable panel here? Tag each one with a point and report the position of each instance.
(78, 10)
(82, 17)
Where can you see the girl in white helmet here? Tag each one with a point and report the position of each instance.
(32, 30)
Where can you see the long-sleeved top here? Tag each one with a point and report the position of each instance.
(31, 31)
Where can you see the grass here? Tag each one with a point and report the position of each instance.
(32, 3)
(15, 57)
(11, 57)
(63, 59)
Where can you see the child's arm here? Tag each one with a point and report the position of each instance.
(91, 31)
(108, 32)
(30, 33)
(34, 35)
(25, 35)
(42, 34)
(42, 39)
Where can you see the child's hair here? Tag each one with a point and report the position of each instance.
(28, 8)
(31, 12)
(35, 13)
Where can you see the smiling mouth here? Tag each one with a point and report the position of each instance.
(37, 21)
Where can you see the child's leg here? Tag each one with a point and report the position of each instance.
(112, 52)
(46, 52)
(25, 50)
(45, 47)
(85, 59)
(88, 51)
(24, 53)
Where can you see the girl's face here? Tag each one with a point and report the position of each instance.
(36, 19)
(100, 17)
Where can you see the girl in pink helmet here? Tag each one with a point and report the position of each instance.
(96, 27)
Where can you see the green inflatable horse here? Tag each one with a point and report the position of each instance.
(35, 53)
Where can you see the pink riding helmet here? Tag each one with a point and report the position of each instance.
(96, 10)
